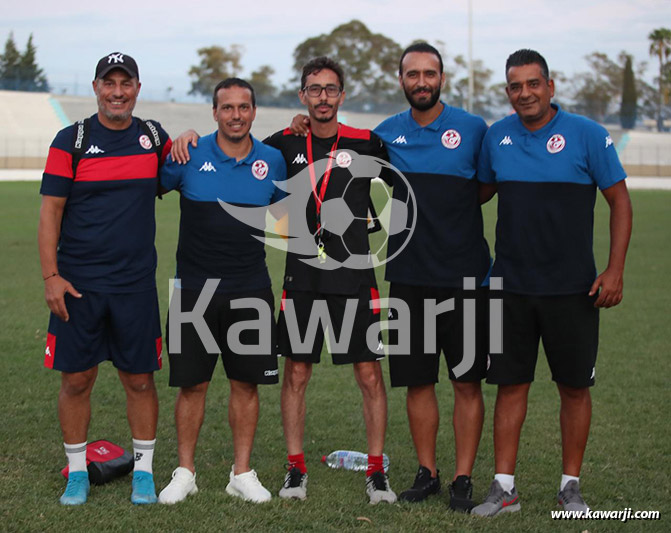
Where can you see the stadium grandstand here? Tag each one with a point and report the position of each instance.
(31, 120)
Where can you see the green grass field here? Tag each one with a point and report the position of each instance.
(627, 464)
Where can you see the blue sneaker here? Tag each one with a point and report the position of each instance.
(77, 489)
(143, 488)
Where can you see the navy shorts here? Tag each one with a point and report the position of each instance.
(193, 364)
(420, 365)
(305, 321)
(122, 327)
(568, 325)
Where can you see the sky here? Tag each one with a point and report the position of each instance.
(163, 35)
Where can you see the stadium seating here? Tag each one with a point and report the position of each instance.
(30, 121)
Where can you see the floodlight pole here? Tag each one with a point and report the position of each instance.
(469, 105)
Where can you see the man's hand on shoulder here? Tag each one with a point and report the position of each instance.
(55, 289)
(180, 146)
(300, 125)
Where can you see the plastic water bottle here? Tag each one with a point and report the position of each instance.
(350, 460)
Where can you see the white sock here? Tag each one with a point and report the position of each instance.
(76, 454)
(506, 481)
(143, 451)
(565, 479)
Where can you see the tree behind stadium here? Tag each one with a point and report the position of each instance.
(19, 72)
(370, 62)
(660, 46)
(628, 105)
(216, 64)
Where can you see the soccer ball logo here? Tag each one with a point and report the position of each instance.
(556, 143)
(451, 139)
(260, 169)
(343, 159)
(389, 215)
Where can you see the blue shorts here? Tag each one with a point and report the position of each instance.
(124, 328)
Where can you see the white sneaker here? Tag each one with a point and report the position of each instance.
(182, 485)
(248, 487)
(295, 485)
(378, 489)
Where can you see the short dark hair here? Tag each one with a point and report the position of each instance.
(527, 57)
(232, 82)
(424, 48)
(320, 63)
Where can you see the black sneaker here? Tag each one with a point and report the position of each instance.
(423, 486)
(461, 492)
(295, 485)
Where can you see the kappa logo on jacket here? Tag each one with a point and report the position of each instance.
(93, 149)
(506, 141)
(207, 167)
(399, 140)
(299, 160)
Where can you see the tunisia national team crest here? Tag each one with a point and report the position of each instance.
(343, 160)
(556, 143)
(260, 169)
(145, 142)
(451, 139)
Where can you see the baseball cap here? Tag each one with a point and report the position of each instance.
(117, 60)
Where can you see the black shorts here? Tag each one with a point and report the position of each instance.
(253, 361)
(569, 328)
(122, 327)
(420, 365)
(295, 328)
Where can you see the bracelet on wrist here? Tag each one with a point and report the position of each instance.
(50, 276)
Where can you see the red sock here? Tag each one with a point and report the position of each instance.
(374, 465)
(297, 461)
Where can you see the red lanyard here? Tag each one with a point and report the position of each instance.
(319, 198)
